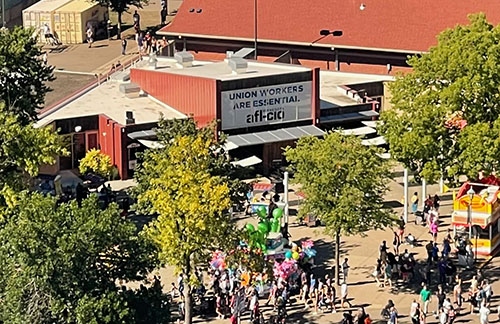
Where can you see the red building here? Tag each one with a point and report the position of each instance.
(377, 35)
(262, 107)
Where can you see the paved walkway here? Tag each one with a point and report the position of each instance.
(362, 252)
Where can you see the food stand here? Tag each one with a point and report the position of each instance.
(484, 211)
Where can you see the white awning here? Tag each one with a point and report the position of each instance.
(249, 161)
(278, 135)
(371, 123)
(380, 140)
(150, 144)
(360, 131)
(384, 155)
(228, 146)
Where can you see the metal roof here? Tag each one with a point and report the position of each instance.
(278, 135)
(360, 131)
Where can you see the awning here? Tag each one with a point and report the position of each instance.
(348, 116)
(142, 134)
(384, 155)
(360, 131)
(380, 140)
(249, 161)
(228, 146)
(278, 135)
(150, 144)
(371, 123)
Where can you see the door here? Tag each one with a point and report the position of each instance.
(91, 141)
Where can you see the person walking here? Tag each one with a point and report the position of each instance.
(425, 295)
(396, 242)
(457, 293)
(137, 20)
(393, 316)
(90, 36)
(484, 312)
(124, 46)
(343, 295)
(415, 312)
(414, 203)
(345, 269)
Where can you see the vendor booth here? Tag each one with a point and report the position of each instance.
(481, 220)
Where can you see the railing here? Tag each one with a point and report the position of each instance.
(99, 79)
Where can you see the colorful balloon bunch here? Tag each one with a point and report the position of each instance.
(285, 269)
(307, 248)
(218, 260)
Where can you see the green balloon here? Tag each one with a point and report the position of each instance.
(250, 227)
(275, 226)
(277, 213)
(263, 227)
(262, 214)
(262, 210)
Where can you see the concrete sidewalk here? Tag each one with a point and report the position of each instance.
(362, 252)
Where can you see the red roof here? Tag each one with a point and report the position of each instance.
(400, 25)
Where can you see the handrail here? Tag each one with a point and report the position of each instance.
(100, 78)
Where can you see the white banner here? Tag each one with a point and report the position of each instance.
(266, 105)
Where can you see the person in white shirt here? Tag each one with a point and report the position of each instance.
(483, 313)
(343, 295)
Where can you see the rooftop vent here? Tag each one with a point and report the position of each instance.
(130, 118)
(238, 65)
(184, 59)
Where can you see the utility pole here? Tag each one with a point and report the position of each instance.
(255, 30)
(4, 23)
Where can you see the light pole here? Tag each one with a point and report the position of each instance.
(4, 24)
(470, 193)
(334, 33)
(255, 29)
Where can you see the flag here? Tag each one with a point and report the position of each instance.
(445, 188)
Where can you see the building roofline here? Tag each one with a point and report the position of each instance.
(166, 33)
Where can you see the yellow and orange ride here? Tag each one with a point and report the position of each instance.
(485, 212)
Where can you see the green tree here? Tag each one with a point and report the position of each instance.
(456, 84)
(23, 75)
(23, 149)
(344, 183)
(97, 163)
(121, 6)
(61, 263)
(180, 183)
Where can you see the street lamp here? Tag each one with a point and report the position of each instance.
(4, 24)
(470, 193)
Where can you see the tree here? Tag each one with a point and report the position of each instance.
(97, 163)
(180, 183)
(23, 149)
(23, 75)
(451, 94)
(61, 263)
(121, 6)
(344, 183)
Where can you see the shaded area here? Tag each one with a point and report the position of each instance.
(66, 84)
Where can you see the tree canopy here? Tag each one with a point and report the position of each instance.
(445, 113)
(343, 181)
(61, 263)
(184, 184)
(23, 75)
(121, 6)
(23, 148)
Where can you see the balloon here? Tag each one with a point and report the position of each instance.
(288, 254)
(277, 213)
(263, 228)
(275, 226)
(250, 227)
(262, 210)
(295, 255)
